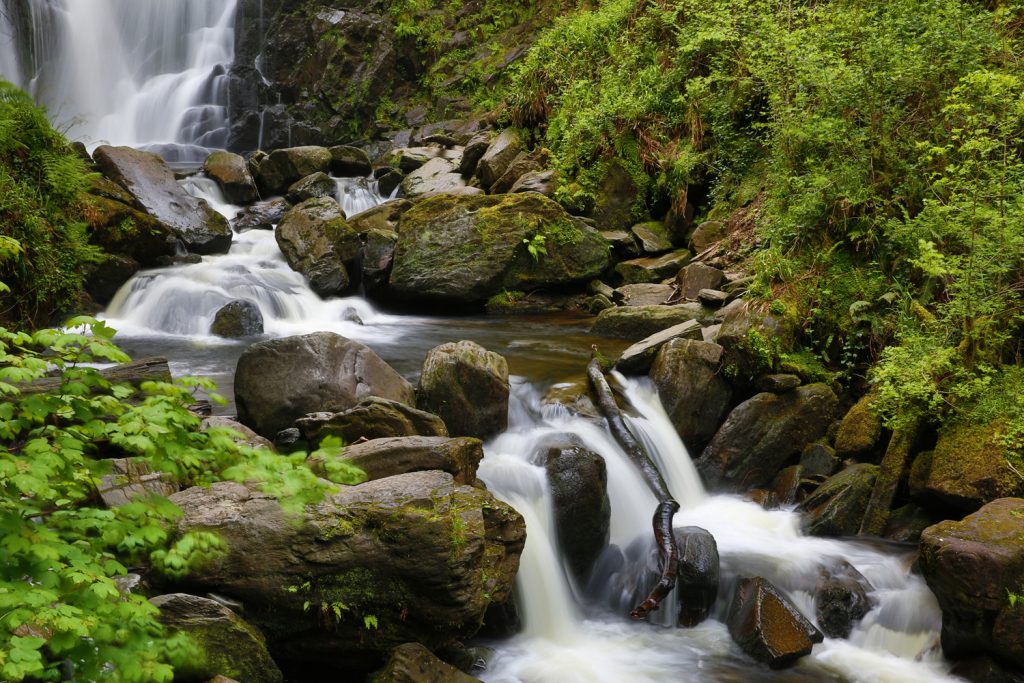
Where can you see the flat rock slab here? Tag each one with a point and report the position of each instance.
(639, 322)
(652, 269)
(644, 294)
(638, 357)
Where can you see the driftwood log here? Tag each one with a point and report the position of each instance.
(135, 373)
(667, 506)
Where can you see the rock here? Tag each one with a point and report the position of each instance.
(819, 459)
(474, 151)
(261, 215)
(778, 384)
(409, 159)
(753, 339)
(228, 645)
(696, 397)
(437, 176)
(767, 626)
(413, 663)
(388, 183)
(638, 357)
(467, 386)
(786, 485)
(860, 430)
(698, 276)
(836, 508)
(350, 162)
(523, 163)
(281, 380)
(841, 599)
(238, 318)
(710, 333)
(313, 186)
(706, 234)
(378, 256)
(638, 322)
(574, 397)
(372, 418)
(623, 243)
(597, 303)
(107, 276)
(652, 268)
(582, 512)
(498, 157)
(697, 575)
(973, 566)
(969, 467)
(467, 249)
(541, 182)
(232, 175)
(763, 433)
(644, 294)
(129, 480)
(284, 166)
(907, 523)
(616, 199)
(317, 242)
(127, 232)
(420, 554)
(984, 669)
(387, 457)
(653, 237)
(382, 217)
(248, 436)
(152, 185)
(713, 297)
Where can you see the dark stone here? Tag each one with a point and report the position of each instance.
(698, 574)
(652, 268)
(767, 626)
(786, 485)
(696, 397)
(713, 297)
(232, 176)
(413, 663)
(837, 507)
(261, 215)
(541, 182)
(639, 357)
(238, 318)
(467, 386)
(350, 162)
(313, 186)
(582, 511)
(698, 276)
(819, 459)
(317, 242)
(107, 276)
(282, 167)
(372, 418)
(778, 384)
(473, 152)
(498, 157)
(841, 599)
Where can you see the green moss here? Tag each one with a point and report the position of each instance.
(860, 429)
(505, 300)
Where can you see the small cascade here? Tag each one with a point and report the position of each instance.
(144, 73)
(182, 300)
(571, 634)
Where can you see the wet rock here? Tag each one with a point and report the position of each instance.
(541, 182)
(698, 276)
(652, 268)
(372, 418)
(317, 242)
(597, 303)
(313, 186)
(466, 249)
(378, 256)
(837, 507)
(107, 276)
(970, 467)
(282, 167)
(697, 575)
(238, 318)
(767, 626)
(984, 669)
(653, 237)
(819, 458)
(127, 232)
(473, 152)
(639, 322)
(261, 215)
(639, 357)
(498, 157)
(388, 183)
(696, 397)
(387, 457)
(706, 234)
(973, 566)
(152, 185)
(350, 162)
(907, 523)
(413, 663)
(228, 645)
(860, 430)
(281, 380)
(437, 176)
(841, 599)
(786, 485)
(579, 490)
(467, 386)
(354, 547)
(644, 294)
(778, 384)
(247, 436)
(763, 433)
(232, 175)
(574, 397)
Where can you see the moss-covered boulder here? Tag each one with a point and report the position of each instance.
(313, 186)
(350, 162)
(969, 467)
(754, 339)
(282, 167)
(860, 431)
(232, 176)
(317, 242)
(467, 386)
(122, 229)
(638, 322)
(466, 249)
(238, 318)
(837, 507)
(228, 646)
(975, 567)
(413, 663)
(416, 555)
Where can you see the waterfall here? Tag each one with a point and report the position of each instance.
(574, 637)
(145, 73)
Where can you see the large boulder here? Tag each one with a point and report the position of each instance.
(466, 249)
(413, 663)
(753, 339)
(579, 490)
(313, 186)
(317, 242)
(350, 162)
(837, 507)
(697, 574)
(498, 157)
(763, 434)
(860, 430)
(696, 397)
(232, 175)
(418, 554)
(238, 318)
(228, 646)
(152, 185)
(122, 229)
(639, 322)
(282, 167)
(372, 418)
(281, 380)
(768, 626)
(467, 386)
(379, 458)
(975, 567)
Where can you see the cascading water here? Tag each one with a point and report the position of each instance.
(588, 639)
(145, 73)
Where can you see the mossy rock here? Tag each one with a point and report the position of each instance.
(837, 507)
(969, 467)
(317, 242)
(231, 173)
(121, 229)
(860, 430)
(638, 322)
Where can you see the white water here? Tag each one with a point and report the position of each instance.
(145, 73)
(897, 642)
